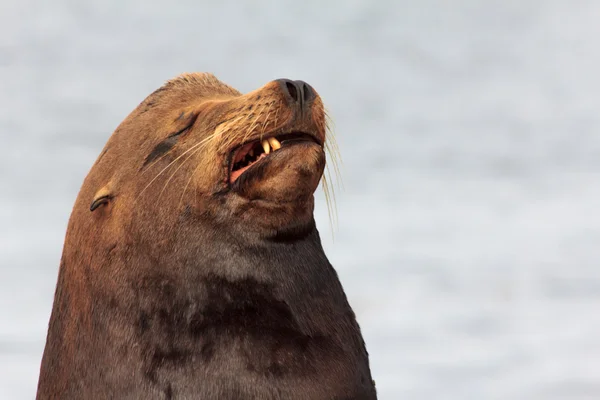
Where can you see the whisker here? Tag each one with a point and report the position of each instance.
(171, 163)
(331, 210)
(192, 176)
(276, 115)
(227, 141)
(266, 122)
(179, 167)
(146, 169)
(187, 184)
(333, 151)
(251, 128)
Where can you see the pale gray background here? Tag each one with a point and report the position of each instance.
(468, 235)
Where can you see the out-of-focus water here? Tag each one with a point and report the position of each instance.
(468, 240)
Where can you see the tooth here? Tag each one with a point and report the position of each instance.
(265, 145)
(274, 143)
(251, 152)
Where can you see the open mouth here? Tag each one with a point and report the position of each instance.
(248, 154)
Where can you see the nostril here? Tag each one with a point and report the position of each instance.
(291, 88)
(307, 91)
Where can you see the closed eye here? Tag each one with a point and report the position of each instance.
(167, 144)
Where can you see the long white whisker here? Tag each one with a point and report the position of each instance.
(171, 163)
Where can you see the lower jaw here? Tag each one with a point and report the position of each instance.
(287, 140)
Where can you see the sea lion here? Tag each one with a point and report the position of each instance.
(192, 267)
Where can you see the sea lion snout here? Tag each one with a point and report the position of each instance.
(285, 161)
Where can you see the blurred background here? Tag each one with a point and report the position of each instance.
(469, 130)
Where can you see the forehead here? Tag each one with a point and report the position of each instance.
(193, 85)
(184, 91)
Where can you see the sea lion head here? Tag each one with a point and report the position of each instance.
(197, 147)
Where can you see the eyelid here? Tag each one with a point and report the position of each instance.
(100, 201)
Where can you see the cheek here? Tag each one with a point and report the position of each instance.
(196, 167)
(207, 175)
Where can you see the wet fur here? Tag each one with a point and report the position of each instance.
(209, 293)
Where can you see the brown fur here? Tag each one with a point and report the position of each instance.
(175, 283)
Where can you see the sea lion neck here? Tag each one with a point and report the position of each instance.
(232, 252)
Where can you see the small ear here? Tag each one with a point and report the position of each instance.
(102, 196)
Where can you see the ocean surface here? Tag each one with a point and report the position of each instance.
(468, 239)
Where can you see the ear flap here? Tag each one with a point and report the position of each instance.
(102, 196)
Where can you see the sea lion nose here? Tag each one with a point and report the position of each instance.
(298, 92)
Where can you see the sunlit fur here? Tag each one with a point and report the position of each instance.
(258, 119)
(178, 281)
